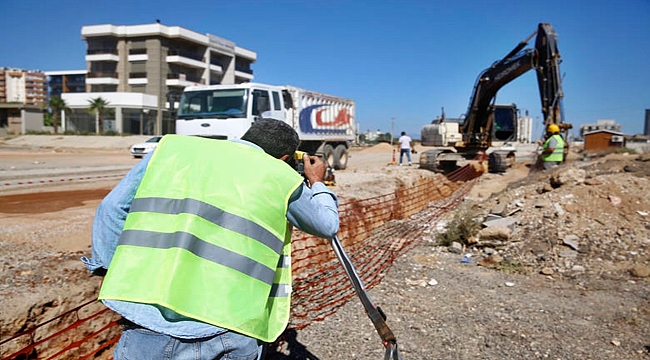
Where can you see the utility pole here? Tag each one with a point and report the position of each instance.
(392, 129)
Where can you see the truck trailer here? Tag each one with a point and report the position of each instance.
(324, 123)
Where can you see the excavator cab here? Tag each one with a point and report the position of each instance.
(505, 122)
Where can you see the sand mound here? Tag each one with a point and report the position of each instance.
(381, 148)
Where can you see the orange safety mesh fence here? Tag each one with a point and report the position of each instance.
(85, 332)
(374, 232)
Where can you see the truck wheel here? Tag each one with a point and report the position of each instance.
(340, 157)
(328, 155)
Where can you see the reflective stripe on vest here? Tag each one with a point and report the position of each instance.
(558, 153)
(208, 238)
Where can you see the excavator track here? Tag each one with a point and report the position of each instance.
(439, 160)
(500, 161)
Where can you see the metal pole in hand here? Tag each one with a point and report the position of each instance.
(375, 313)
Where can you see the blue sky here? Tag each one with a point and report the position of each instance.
(397, 59)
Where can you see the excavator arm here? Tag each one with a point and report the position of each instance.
(477, 127)
(549, 78)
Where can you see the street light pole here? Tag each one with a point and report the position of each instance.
(392, 129)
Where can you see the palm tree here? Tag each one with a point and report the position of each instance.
(97, 106)
(56, 104)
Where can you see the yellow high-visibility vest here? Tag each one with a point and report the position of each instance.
(207, 237)
(558, 152)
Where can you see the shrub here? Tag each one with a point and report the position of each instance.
(625, 150)
(514, 268)
(462, 226)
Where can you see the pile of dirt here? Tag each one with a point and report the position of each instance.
(580, 220)
(381, 148)
(565, 276)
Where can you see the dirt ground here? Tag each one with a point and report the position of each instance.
(566, 277)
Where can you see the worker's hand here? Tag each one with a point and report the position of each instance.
(315, 169)
(539, 143)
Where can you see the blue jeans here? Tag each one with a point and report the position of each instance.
(140, 344)
(401, 155)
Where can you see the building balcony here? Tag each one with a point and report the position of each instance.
(102, 78)
(185, 58)
(243, 75)
(138, 57)
(185, 54)
(244, 69)
(216, 68)
(102, 57)
(137, 78)
(183, 80)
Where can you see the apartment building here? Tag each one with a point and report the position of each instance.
(22, 86)
(525, 129)
(63, 82)
(22, 95)
(160, 60)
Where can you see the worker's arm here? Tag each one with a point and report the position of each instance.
(550, 147)
(314, 209)
(110, 217)
(548, 151)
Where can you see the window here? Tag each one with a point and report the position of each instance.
(261, 102)
(276, 101)
(231, 102)
(288, 100)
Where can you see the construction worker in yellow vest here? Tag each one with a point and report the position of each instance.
(553, 147)
(199, 247)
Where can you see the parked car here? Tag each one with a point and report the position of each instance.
(142, 149)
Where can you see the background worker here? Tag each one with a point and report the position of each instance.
(198, 243)
(553, 148)
(405, 145)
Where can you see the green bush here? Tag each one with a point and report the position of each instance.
(514, 268)
(625, 150)
(462, 226)
(111, 133)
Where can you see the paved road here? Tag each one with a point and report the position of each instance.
(31, 160)
(28, 167)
